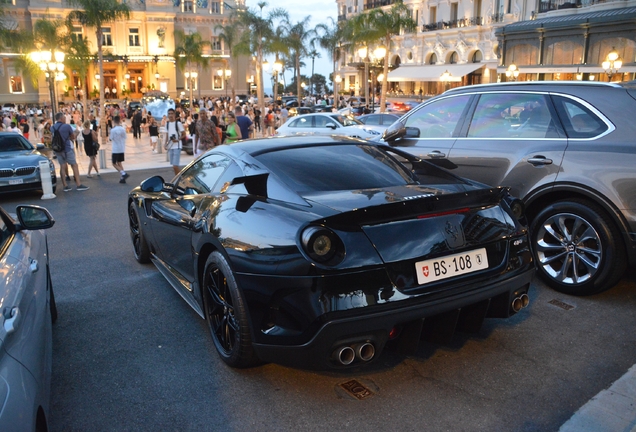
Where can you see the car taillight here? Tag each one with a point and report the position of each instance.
(322, 245)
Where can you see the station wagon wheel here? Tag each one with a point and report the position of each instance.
(577, 248)
(140, 247)
(225, 314)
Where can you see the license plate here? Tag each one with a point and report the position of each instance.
(16, 181)
(451, 265)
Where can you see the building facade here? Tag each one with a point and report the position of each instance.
(462, 42)
(138, 52)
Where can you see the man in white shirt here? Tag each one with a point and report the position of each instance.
(118, 138)
(175, 133)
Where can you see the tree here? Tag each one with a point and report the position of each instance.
(79, 58)
(256, 30)
(380, 25)
(96, 13)
(298, 38)
(330, 38)
(188, 52)
(313, 54)
(230, 35)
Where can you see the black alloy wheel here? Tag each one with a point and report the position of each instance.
(577, 248)
(225, 314)
(140, 247)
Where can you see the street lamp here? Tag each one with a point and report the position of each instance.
(363, 52)
(226, 74)
(336, 97)
(512, 73)
(612, 64)
(52, 64)
(277, 67)
(446, 77)
(192, 78)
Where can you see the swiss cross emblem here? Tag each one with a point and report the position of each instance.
(425, 271)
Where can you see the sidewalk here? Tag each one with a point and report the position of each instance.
(613, 409)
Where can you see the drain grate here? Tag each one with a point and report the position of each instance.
(562, 305)
(356, 389)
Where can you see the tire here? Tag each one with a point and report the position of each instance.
(140, 247)
(225, 314)
(577, 248)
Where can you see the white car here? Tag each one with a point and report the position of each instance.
(327, 124)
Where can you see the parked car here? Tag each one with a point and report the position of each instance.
(28, 311)
(132, 107)
(385, 120)
(323, 108)
(566, 148)
(20, 164)
(316, 251)
(326, 124)
(402, 106)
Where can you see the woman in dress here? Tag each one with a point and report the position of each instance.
(90, 139)
(232, 130)
(46, 134)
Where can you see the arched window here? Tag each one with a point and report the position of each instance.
(477, 57)
(432, 59)
(453, 58)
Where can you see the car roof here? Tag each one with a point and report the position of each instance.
(532, 85)
(257, 146)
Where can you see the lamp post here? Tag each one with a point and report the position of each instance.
(446, 76)
(612, 64)
(380, 79)
(52, 64)
(277, 67)
(336, 97)
(363, 52)
(192, 78)
(512, 73)
(225, 74)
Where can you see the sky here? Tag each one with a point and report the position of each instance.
(320, 11)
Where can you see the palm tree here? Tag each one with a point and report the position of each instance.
(298, 38)
(330, 38)
(313, 54)
(278, 46)
(96, 13)
(230, 35)
(79, 58)
(381, 25)
(188, 53)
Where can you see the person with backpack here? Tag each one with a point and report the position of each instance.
(62, 145)
(175, 133)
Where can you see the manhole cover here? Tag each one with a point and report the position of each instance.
(561, 304)
(356, 389)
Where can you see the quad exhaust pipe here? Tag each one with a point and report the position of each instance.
(364, 351)
(520, 302)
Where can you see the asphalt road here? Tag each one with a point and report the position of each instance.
(129, 353)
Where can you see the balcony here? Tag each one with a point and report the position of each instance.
(342, 18)
(377, 3)
(463, 22)
(550, 5)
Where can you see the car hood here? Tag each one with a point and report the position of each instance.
(20, 158)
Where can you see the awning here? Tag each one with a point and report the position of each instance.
(432, 72)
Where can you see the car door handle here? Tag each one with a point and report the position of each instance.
(436, 154)
(11, 320)
(539, 160)
(34, 266)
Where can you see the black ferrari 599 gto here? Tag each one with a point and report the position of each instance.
(316, 252)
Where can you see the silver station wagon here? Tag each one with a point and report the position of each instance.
(567, 149)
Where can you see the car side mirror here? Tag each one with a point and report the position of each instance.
(394, 132)
(331, 126)
(33, 218)
(40, 146)
(152, 184)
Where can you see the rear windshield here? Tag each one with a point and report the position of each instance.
(331, 168)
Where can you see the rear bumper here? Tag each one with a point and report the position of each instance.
(373, 324)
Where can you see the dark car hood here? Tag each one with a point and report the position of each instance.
(343, 201)
(21, 158)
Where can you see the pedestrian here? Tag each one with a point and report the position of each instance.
(175, 133)
(14, 128)
(136, 124)
(90, 146)
(153, 130)
(67, 156)
(25, 129)
(232, 130)
(206, 136)
(118, 138)
(243, 122)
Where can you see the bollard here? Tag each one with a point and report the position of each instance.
(162, 138)
(45, 178)
(102, 159)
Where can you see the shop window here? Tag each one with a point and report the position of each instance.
(522, 54)
(564, 53)
(217, 83)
